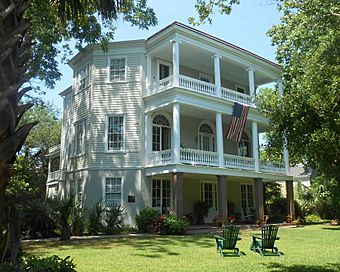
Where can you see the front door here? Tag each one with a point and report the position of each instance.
(209, 195)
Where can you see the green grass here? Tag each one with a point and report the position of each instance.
(312, 248)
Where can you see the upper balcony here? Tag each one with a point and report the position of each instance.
(183, 58)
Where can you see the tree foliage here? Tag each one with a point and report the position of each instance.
(307, 41)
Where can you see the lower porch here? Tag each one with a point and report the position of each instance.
(240, 199)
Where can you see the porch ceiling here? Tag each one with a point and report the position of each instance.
(201, 60)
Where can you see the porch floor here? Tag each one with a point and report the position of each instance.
(210, 228)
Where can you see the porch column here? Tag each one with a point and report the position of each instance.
(222, 197)
(176, 132)
(285, 150)
(49, 165)
(290, 198)
(251, 80)
(147, 137)
(259, 203)
(217, 73)
(175, 61)
(148, 71)
(219, 139)
(177, 193)
(255, 145)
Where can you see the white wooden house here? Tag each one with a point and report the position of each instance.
(144, 124)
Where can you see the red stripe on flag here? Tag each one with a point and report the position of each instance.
(237, 125)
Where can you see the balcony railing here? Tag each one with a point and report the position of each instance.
(272, 167)
(54, 149)
(198, 86)
(55, 175)
(198, 157)
(238, 162)
(208, 158)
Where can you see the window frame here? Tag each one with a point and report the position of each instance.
(106, 141)
(238, 86)
(121, 188)
(161, 132)
(247, 200)
(109, 68)
(207, 76)
(162, 181)
(214, 192)
(163, 62)
(86, 67)
(83, 139)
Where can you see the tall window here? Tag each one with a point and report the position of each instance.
(80, 190)
(80, 136)
(117, 69)
(209, 194)
(161, 133)
(243, 146)
(115, 133)
(113, 192)
(161, 194)
(82, 78)
(247, 196)
(206, 139)
(164, 71)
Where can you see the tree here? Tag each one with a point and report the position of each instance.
(308, 115)
(29, 32)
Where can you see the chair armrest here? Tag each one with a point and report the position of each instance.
(257, 237)
(217, 237)
(277, 238)
(239, 238)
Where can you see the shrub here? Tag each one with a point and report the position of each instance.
(146, 219)
(159, 225)
(52, 263)
(278, 210)
(78, 221)
(95, 218)
(113, 219)
(201, 210)
(312, 218)
(175, 225)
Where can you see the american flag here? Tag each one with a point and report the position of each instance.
(238, 122)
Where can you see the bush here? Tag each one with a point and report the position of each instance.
(95, 218)
(175, 225)
(312, 218)
(201, 210)
(278, 210)
(113, 219)
(146, 219)
(78, 221)
(52, 263)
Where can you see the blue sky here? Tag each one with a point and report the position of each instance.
(246, 27)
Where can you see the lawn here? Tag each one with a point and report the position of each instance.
(313, 248)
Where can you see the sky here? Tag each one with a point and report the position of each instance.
(246, 27)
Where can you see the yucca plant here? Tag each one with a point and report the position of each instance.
(113, 219)
(95, 218)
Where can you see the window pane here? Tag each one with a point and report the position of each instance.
(115, 133)
(113, 192)
(117, 69)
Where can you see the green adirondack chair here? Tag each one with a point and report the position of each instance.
(226, 244)
(265, 244)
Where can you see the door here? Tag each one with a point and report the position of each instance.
(209, 196)
(206, 142)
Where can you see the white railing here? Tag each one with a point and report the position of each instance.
(194, 156)
(160, 157)
(197, 85)
(272, 167)
(237, 97)
(238, 162)
(55, 175)
(160, 86)
(54, 148)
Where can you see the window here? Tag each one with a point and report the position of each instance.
(164, 71)
(117, 72)
(247, 196)
(240, 89)
(209, 194)
(115, 133)
(161, 194)
(206, 139)
(80, 190)
(113, 192)
(80, 137)
(82, 77)
(161, 133)
(205, 77)
(72, 188)
(243, 146)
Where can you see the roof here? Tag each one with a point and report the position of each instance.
(223, 42)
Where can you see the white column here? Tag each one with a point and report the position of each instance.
(217, 73)
(285, 150)
(147, 136)
(219, 139)
(175, 61)
(176, 132)
(49, 165)
(255, 144)
(148, 71)
(251, 79)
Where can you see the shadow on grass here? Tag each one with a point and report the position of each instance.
(331, 228)
(278, 267)
(157, 246)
